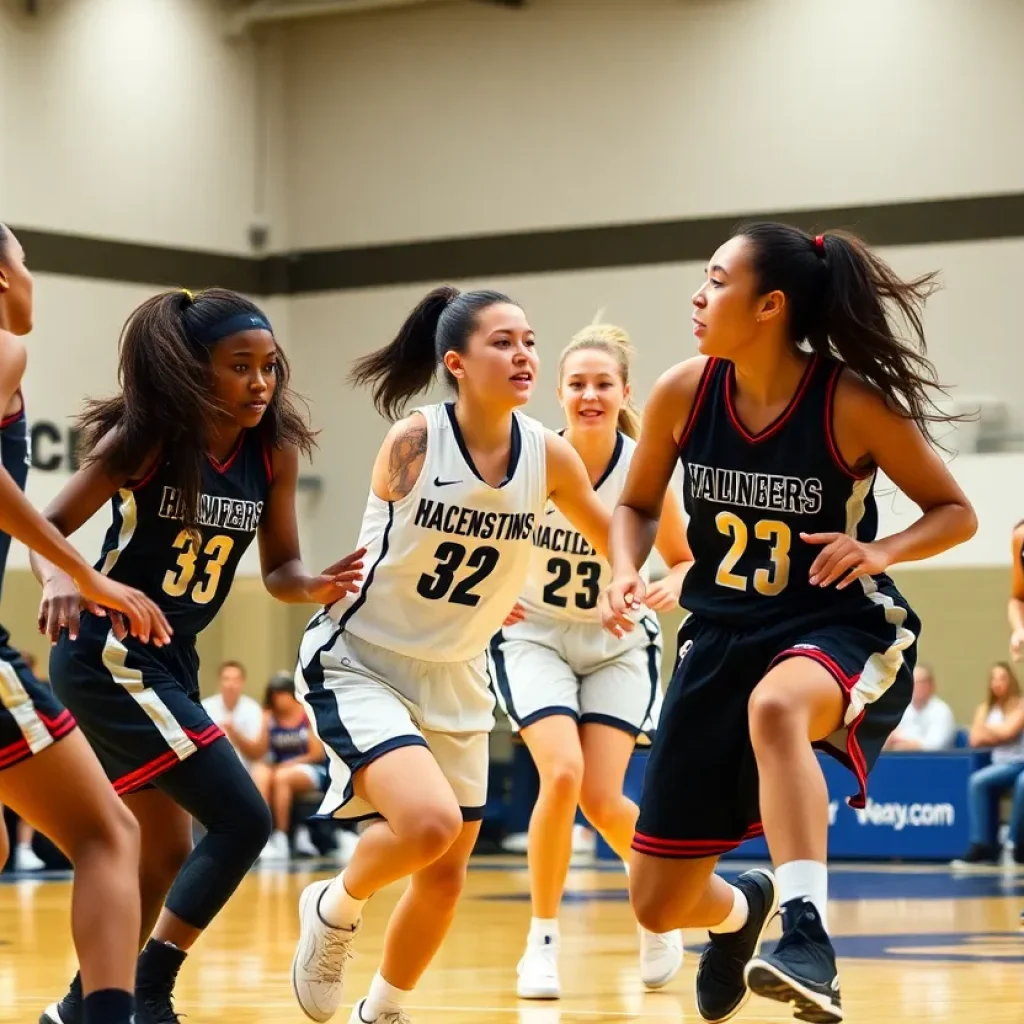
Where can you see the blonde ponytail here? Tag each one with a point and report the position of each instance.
(613, 341)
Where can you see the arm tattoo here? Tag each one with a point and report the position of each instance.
(406, 460)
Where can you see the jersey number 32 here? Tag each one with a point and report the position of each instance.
(436, 586)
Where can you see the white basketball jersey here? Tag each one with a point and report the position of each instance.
(566, 574)
(446, 563)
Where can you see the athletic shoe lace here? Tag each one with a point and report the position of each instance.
(334, 954)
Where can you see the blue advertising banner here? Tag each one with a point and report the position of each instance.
(916, 808)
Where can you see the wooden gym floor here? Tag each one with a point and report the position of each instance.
(916, 943)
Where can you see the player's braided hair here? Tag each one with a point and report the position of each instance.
(166, 407)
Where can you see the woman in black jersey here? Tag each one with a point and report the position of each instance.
(796, 637)
(59, 787)
(198, 454)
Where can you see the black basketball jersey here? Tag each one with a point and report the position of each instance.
(147, 546)
(750, 496)
(14, 456)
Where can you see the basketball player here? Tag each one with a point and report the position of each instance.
(396, 676)
(1015, 607)
(796, 636)
(59, 788)
(1015, 613)
(579, 697)
(197, 454)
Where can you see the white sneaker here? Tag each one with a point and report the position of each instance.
(322, 952)
(276, 848)
(25, 859)
(304, 845)
(661, 956)
(395, 1017)
(347, 843)
(538, 972)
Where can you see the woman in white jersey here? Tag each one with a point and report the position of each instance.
(579, 696)
(397, 678)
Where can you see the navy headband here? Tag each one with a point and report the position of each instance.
(235, 324)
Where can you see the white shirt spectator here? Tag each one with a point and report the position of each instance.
(244, 716)
(931, 727)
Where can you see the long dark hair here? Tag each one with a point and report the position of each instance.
(442, 322)
(1012, 689)
(166, 404)
(848, 303)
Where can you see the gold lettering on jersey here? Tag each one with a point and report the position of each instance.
(220, 513)
(769, 491)
(472, 522)
(555, 538)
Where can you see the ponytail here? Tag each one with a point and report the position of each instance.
(441, 322)
(166, 407)
(849, 304)
(407, 365)
(613, 341)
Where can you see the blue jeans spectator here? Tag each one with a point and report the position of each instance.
(987, 785)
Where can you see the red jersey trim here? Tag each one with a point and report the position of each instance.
(698, 400)
(777, 424)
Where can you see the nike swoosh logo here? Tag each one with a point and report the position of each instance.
(438, 482)
(549, 511)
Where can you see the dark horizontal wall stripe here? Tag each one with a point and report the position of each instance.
(132, 263)
(926, 222)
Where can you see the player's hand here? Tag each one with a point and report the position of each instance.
(663, 594)
(843, 558)
(622, 597)
(336, 580)
(517, 614)
(1017, 644)
(60, 607)
(145, 620)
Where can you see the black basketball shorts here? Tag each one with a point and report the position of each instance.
(137, 704)
(31, 717)
(700, 796)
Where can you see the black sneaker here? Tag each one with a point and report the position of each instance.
(155, 976)
(721, 990)
(979, 853)
(802, 969)
(69, 1009)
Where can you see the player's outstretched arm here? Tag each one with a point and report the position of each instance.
(284, 574)
(1015, 607)
(63, 591)
(569, 487)
(637, 517)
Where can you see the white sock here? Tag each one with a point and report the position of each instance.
(337, 908)
(737, 917)
(804, 879)
(543, 931)
(382, 998)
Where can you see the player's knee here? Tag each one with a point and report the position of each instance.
(258, 827)
(114, 837)
(5, 843)
(444, 883)
(432, 830)
(600, 804)
(650, 907)
(562, 778)
(163, 862)
(772, 714)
